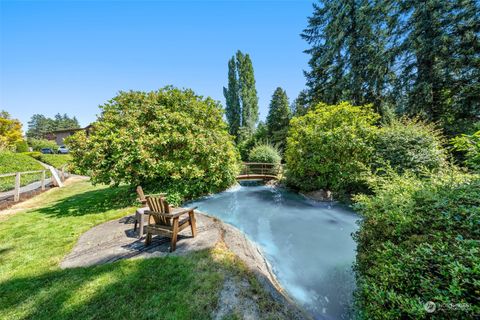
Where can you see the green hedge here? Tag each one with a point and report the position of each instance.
(331, 147)
(418, 242)
(469, 145)
(409, 145)
(17, 162)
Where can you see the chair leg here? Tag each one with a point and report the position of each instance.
(193, 223)
(148, 240)
(135, 225)
(173, 245)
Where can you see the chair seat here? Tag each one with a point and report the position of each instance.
(182, 223)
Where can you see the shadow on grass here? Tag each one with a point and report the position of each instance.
(92, 202)
(166, 288)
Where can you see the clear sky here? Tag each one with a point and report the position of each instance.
(72, 56)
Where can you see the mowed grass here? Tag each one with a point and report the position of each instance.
(32, 286)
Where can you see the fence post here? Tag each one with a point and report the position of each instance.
(63, 173)
(43, 180)
(16, 195)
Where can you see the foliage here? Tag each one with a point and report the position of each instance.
(17, 162)
(38, 144)
(409, 145)
(39, 125)
(330, 147)
(301, 104)
(470, 145)
(233, 109)
(418, 242)
(349, 60)
(21, 146)
(171, 139)
(55, 160)
(247, 140)
(265, 153)
(419, 58)
(278, 118)
(241, 95)
(10, 132)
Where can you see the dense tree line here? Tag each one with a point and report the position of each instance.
(417, 58)
(39, 125)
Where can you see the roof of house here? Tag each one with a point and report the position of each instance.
(71, 130)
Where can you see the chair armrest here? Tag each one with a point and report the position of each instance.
(170, 215)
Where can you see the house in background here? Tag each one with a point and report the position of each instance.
(60, 135)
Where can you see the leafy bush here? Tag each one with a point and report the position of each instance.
(418, 242)
(22, 146)
(265, 153)
(38, 144)
(330, 147)
(17, 162)
(171, 140)
(409, 145)
(470, 146)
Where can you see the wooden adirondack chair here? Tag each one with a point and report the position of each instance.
(167, 220)
(140, 215)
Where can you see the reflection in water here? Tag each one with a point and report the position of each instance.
(308, 244)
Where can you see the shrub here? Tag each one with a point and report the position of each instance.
(38, 144)
(171, 140)
(409, 145)
(22, 146)
(330, 147)
(418, 242)
(265, 153)
(470, 146)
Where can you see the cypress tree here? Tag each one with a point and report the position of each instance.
(248, 91)
(278, 118)
(232, 110)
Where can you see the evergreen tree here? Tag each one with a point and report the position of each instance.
(349, 58)
(441, 60)
(301, 104)
(39, 125)
(233, 109)
(278, 118)
(248, 92)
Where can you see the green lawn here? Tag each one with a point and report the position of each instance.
(32, 286)
(14, 162)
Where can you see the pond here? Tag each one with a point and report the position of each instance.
(308, 244)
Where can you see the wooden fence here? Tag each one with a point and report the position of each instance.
(17, 190)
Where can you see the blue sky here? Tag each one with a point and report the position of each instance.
(72, 56)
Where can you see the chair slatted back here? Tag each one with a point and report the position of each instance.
(160, 205)
(141, 195)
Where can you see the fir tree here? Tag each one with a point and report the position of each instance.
(278, 118)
